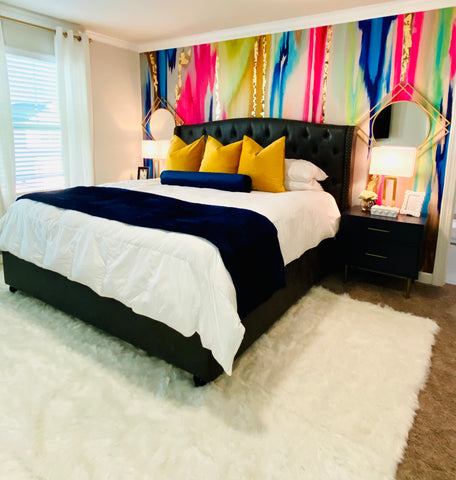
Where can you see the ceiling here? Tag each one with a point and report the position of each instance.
(144, 23)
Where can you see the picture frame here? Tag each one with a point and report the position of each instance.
(143, 173)
(413, 203)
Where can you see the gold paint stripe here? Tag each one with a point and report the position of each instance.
(184, 60)
(254, 78)
(325, 74)
(153, 66)
(406, 44)
(265, 63)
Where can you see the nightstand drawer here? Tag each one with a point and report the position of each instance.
(377, 231)
(390, 258)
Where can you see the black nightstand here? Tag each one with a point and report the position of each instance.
(382, 244)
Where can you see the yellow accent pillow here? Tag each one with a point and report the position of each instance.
(265, 166)
(185, 157)
(219, 158)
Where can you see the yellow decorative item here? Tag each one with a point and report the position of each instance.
(368, 195)
(265, 166)
(368, 199)
(221, 158)
(185, 157)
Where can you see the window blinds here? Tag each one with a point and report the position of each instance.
(36, 123)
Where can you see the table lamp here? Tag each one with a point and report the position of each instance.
(392, 162)
(154, 150)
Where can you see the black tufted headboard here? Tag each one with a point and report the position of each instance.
(328, 146)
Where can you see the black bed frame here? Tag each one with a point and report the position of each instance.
(328, 146)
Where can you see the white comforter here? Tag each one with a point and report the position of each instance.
(174, 278)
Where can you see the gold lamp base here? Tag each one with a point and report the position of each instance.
(385, 182)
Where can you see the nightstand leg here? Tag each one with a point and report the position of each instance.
(407, 291)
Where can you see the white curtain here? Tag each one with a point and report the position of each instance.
(73, 72)
(7, 167)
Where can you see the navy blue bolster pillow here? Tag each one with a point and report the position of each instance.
(231, 182)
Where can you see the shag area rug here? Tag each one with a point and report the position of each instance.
(329, 393)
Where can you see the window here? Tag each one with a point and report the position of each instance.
(36, 122)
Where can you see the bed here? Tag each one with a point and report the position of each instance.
(327, 146)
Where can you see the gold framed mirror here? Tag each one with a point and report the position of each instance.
(160, 120)
(403, 118)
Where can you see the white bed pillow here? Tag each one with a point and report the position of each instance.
(302, 175)
(298, 170)
(291, 185)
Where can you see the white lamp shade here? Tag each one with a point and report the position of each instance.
(393, 161)
(157, 149)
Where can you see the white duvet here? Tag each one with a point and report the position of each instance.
(174, 278)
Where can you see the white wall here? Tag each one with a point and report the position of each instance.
(116, 91)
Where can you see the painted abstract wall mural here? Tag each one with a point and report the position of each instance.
(330, 74)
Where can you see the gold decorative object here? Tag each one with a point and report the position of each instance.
(366, 205)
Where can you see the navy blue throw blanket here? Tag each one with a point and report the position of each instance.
(247, 241)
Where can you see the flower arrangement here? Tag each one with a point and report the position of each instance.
(368, 199)
(368, 195)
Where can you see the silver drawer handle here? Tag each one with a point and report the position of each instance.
(376, 256)
(378, 230)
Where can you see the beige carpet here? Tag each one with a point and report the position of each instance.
(328, 394)
(431, 449)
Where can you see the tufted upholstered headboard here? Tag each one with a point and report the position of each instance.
(327, 146)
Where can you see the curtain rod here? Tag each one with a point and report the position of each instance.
(65, 34)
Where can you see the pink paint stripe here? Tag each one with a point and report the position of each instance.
(205, 75)
(417, 29)
(199, 83)
(185, 108)
(319, 70)
(306, 114)
(452, 51)
(380, 189)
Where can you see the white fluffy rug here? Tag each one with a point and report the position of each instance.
(329, 394)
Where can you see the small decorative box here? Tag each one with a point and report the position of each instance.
(385, 211)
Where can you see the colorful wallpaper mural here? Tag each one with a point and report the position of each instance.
(331, 74)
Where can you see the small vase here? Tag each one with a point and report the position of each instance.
(366, 205)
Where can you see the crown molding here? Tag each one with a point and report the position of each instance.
(115, 42)
(300, 23)
(290, 24)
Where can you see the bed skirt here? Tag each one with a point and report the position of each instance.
(156, 338)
